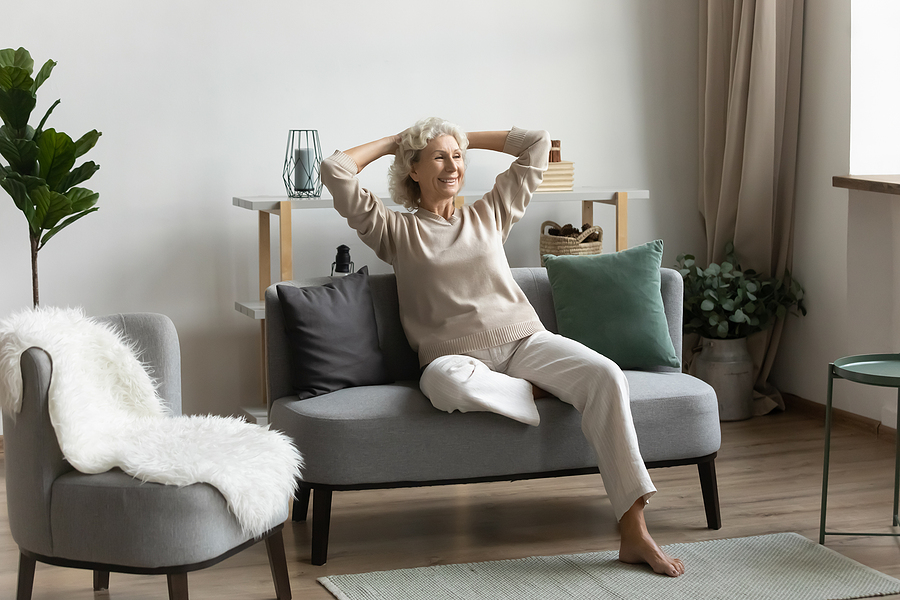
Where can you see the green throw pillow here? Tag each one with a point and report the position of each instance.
(612, 303)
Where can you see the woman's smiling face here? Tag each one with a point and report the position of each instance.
(439, 170)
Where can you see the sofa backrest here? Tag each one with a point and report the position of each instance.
(401, 360)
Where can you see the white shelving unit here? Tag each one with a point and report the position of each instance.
(282, 207)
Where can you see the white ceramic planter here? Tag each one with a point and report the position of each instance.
(727, 366)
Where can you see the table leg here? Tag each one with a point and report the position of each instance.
(285, 241)
(263, 365)
(265, 279)
(620, 200)
(621, 221)
(828, 411)
(897, 465)
(587, 212)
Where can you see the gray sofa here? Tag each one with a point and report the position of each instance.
(390, 435)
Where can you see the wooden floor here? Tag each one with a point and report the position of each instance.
(770, 474)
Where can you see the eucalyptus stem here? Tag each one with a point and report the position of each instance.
(35, 241)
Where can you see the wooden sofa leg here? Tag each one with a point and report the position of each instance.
(301, 505)
(278, 564)
(101, 580)
(320, 526)
(25, 584)
(710, 490)
(178, 586)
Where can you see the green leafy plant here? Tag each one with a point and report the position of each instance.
(726, 302)
(40, 174)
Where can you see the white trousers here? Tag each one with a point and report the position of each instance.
(499, 380)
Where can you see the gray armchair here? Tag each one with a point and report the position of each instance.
(111, 521)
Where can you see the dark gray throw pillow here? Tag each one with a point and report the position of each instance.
(332, 336)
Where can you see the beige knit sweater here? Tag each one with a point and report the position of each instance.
(455, 288)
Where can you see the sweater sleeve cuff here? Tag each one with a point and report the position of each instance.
(515, 141)
(344, 160)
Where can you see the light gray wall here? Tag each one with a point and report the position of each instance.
(846, 248)
(195, 99)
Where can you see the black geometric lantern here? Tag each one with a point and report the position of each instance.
(301, 164)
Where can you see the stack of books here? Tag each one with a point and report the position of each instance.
(559, 177)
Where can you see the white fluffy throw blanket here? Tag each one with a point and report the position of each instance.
(106, 413)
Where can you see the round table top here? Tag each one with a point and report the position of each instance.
(872, 369)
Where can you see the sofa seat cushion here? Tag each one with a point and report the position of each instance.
(121, 509)
(392, 433)
(676, 415)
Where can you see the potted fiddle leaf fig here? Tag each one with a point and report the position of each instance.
(40, 173)
(724, 304)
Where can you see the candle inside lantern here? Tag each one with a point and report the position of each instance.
(303, 169)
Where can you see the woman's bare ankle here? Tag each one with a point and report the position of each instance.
(637, 546)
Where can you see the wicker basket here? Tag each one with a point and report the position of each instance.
(560, 246)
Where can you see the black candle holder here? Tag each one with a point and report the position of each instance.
(342, 264)
(302, 159)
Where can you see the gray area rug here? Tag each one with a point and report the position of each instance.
(781, 566)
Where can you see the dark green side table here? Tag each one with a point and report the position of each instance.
(870, 369)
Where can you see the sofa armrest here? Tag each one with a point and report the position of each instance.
(672, 289)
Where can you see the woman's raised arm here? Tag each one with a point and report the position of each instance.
(372, 151)
(367, 153)
(487, 140)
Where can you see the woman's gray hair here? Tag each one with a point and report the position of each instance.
(403, 189)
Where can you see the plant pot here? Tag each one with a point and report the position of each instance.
(727, 366)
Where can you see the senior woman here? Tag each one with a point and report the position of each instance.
(479, 341)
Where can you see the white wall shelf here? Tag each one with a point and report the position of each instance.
(254, 310)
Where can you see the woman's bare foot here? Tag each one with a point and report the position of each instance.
(638, 547)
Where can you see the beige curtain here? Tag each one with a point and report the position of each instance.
(750, 65)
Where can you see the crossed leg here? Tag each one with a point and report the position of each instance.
(598, 389)
(591, 383)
